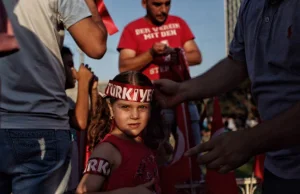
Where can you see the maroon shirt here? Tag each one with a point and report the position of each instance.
(138, 165)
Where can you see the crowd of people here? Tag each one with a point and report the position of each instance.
(129, 125)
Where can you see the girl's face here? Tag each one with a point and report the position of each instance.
(131, 117)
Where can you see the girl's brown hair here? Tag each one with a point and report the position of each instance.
(155, 133)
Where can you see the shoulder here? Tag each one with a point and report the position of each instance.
(72, 11)
(174, 18)
(107, 151)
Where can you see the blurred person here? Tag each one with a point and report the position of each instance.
(79, 110)
(34, 122)
(265, 48)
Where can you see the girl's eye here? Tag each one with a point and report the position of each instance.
(143, 107)
(125, 107)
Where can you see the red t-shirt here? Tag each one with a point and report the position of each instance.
(138, 165)
(140, 35)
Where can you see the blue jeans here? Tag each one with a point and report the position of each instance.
(169, 117)
(34, 161)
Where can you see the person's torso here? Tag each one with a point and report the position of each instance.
(32, 80)
(146, 34)
(272, 45)
(138, 165)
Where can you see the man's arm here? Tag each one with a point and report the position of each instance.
(268, 136)
(90, 33)
(129, 61)
(192, 52)
(272, 135)
(224, 76)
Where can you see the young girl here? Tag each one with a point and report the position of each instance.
(125, 132)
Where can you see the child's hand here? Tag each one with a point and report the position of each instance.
(144, 188)
(84, 73)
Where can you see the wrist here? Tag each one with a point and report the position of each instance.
(253, 141)
(83, 83)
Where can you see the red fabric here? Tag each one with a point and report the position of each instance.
(8, 42)
(259, 160)
(83, 155)
(217, 183)
(107, 20)
(140, 35)
(129, 92)
(185, 169)
(138, 165)
(259, 166)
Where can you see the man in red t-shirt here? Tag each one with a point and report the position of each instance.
(144, 40)
(146, 43)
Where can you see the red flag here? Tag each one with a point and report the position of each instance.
(82, 153)
(107, 20)
(217, 183)
(182, 171)
(258, 166)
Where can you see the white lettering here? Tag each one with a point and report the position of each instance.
(169, 27)
(151, 35)
(142, 31)
(143, 95)
(118, 91)
(126, 93)
(92, 165)
(168, 33)
(108, 88)
(103, 168)
(129, 93)
(112, 90)
(149, 96)
(135, 94)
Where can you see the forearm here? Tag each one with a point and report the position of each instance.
(278, 133)
(135, 63)
(82, 104)
(97, 19)
(194, 58)
(224, 76)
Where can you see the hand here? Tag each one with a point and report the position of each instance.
(159, 48)
(225, 152)
(84, 73)
(168, 93)
(144, 188)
